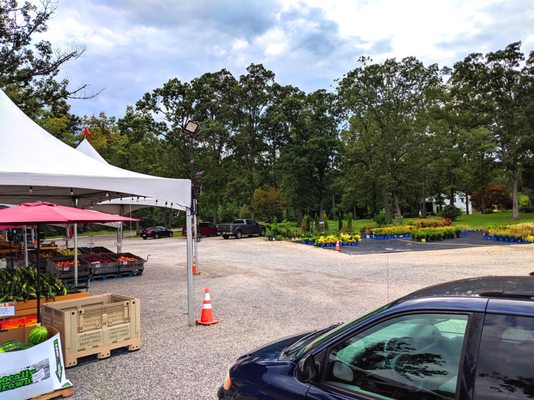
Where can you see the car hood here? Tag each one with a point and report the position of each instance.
(271, 351)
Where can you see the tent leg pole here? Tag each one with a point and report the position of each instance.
(188, 219)
(38, 275)
(75, 254)
(25, 247)
(195, 243)
(119, 238)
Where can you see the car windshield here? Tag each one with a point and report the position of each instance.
(306, 347)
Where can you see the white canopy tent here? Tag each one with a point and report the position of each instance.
(35, 165)
(126, 205)
(123, 205)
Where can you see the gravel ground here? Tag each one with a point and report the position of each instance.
(260, 291)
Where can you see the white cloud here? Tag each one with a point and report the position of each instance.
(134, 47)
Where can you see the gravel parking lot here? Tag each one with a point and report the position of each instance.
(260, 291)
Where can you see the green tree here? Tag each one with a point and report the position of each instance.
(383, 105)
(308, 160)
(268, 202)
(29, 67)
(499, 86)
(349, 222)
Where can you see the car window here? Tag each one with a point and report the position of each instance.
(407, 357)
(505, 362)
(237, 221)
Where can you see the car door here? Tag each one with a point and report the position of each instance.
(406, 357)
(505, 368)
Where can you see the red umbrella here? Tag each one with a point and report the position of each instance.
(49, 213)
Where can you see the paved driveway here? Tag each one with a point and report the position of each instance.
(260, 291)
(370, 246)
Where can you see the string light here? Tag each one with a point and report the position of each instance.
(71, 192)
(31, 189)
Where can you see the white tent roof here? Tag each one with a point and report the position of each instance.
(86, 148)
(34, 165)
(122, 205)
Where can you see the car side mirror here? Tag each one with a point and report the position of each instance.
(307, 369)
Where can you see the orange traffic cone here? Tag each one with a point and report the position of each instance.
(194, 266)
(206, 318)
(337, 245)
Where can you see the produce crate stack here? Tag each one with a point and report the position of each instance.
(129, 263)
(95, 250)
(63, 267)
(95, 325)
(100, 264)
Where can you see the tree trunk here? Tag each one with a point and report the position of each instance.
(397, 208)
(423, 211)
(332, 214)
(374, 201)
(386, 205)
(515, 202)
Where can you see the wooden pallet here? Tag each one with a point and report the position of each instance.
(102, 352)
(60, 393)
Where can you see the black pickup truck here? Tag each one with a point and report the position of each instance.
(240, 227)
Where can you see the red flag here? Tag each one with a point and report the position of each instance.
(87, 134)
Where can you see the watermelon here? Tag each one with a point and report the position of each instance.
(37, 335)
(12, 345)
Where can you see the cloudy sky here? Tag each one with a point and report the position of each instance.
(134, 46)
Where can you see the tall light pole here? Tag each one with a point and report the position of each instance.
(191, 128)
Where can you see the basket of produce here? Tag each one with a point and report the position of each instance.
(100, 264)
(129, 262)
(94, 250)
(63, 267)
(67, 252)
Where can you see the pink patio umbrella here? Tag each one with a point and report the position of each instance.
(49, 213)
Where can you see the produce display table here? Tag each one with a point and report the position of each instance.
(26, 311)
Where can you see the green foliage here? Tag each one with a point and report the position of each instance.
(380, 218)
(340, 222)
(268, 203)
(316, 225)
(281, 231)
(440, 233)
(431, 222)
(349, 222)
(305, 227)
(451, 212)
(325, 221)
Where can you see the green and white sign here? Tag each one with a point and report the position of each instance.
(32, 372)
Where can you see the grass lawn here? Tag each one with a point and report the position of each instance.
(479, 221)
(474, 221)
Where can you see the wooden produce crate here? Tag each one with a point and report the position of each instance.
(100, 264)
(54, 266)
(29, 307)
(129, 263)
(95, 325)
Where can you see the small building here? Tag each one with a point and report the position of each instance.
(432, 203)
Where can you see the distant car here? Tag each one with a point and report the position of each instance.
(156, 232)
(467, 339)
(205, 229)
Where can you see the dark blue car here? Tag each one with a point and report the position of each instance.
(467, 339)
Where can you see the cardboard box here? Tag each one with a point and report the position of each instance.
(32, 372)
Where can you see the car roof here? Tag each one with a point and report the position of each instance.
(487, 286)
